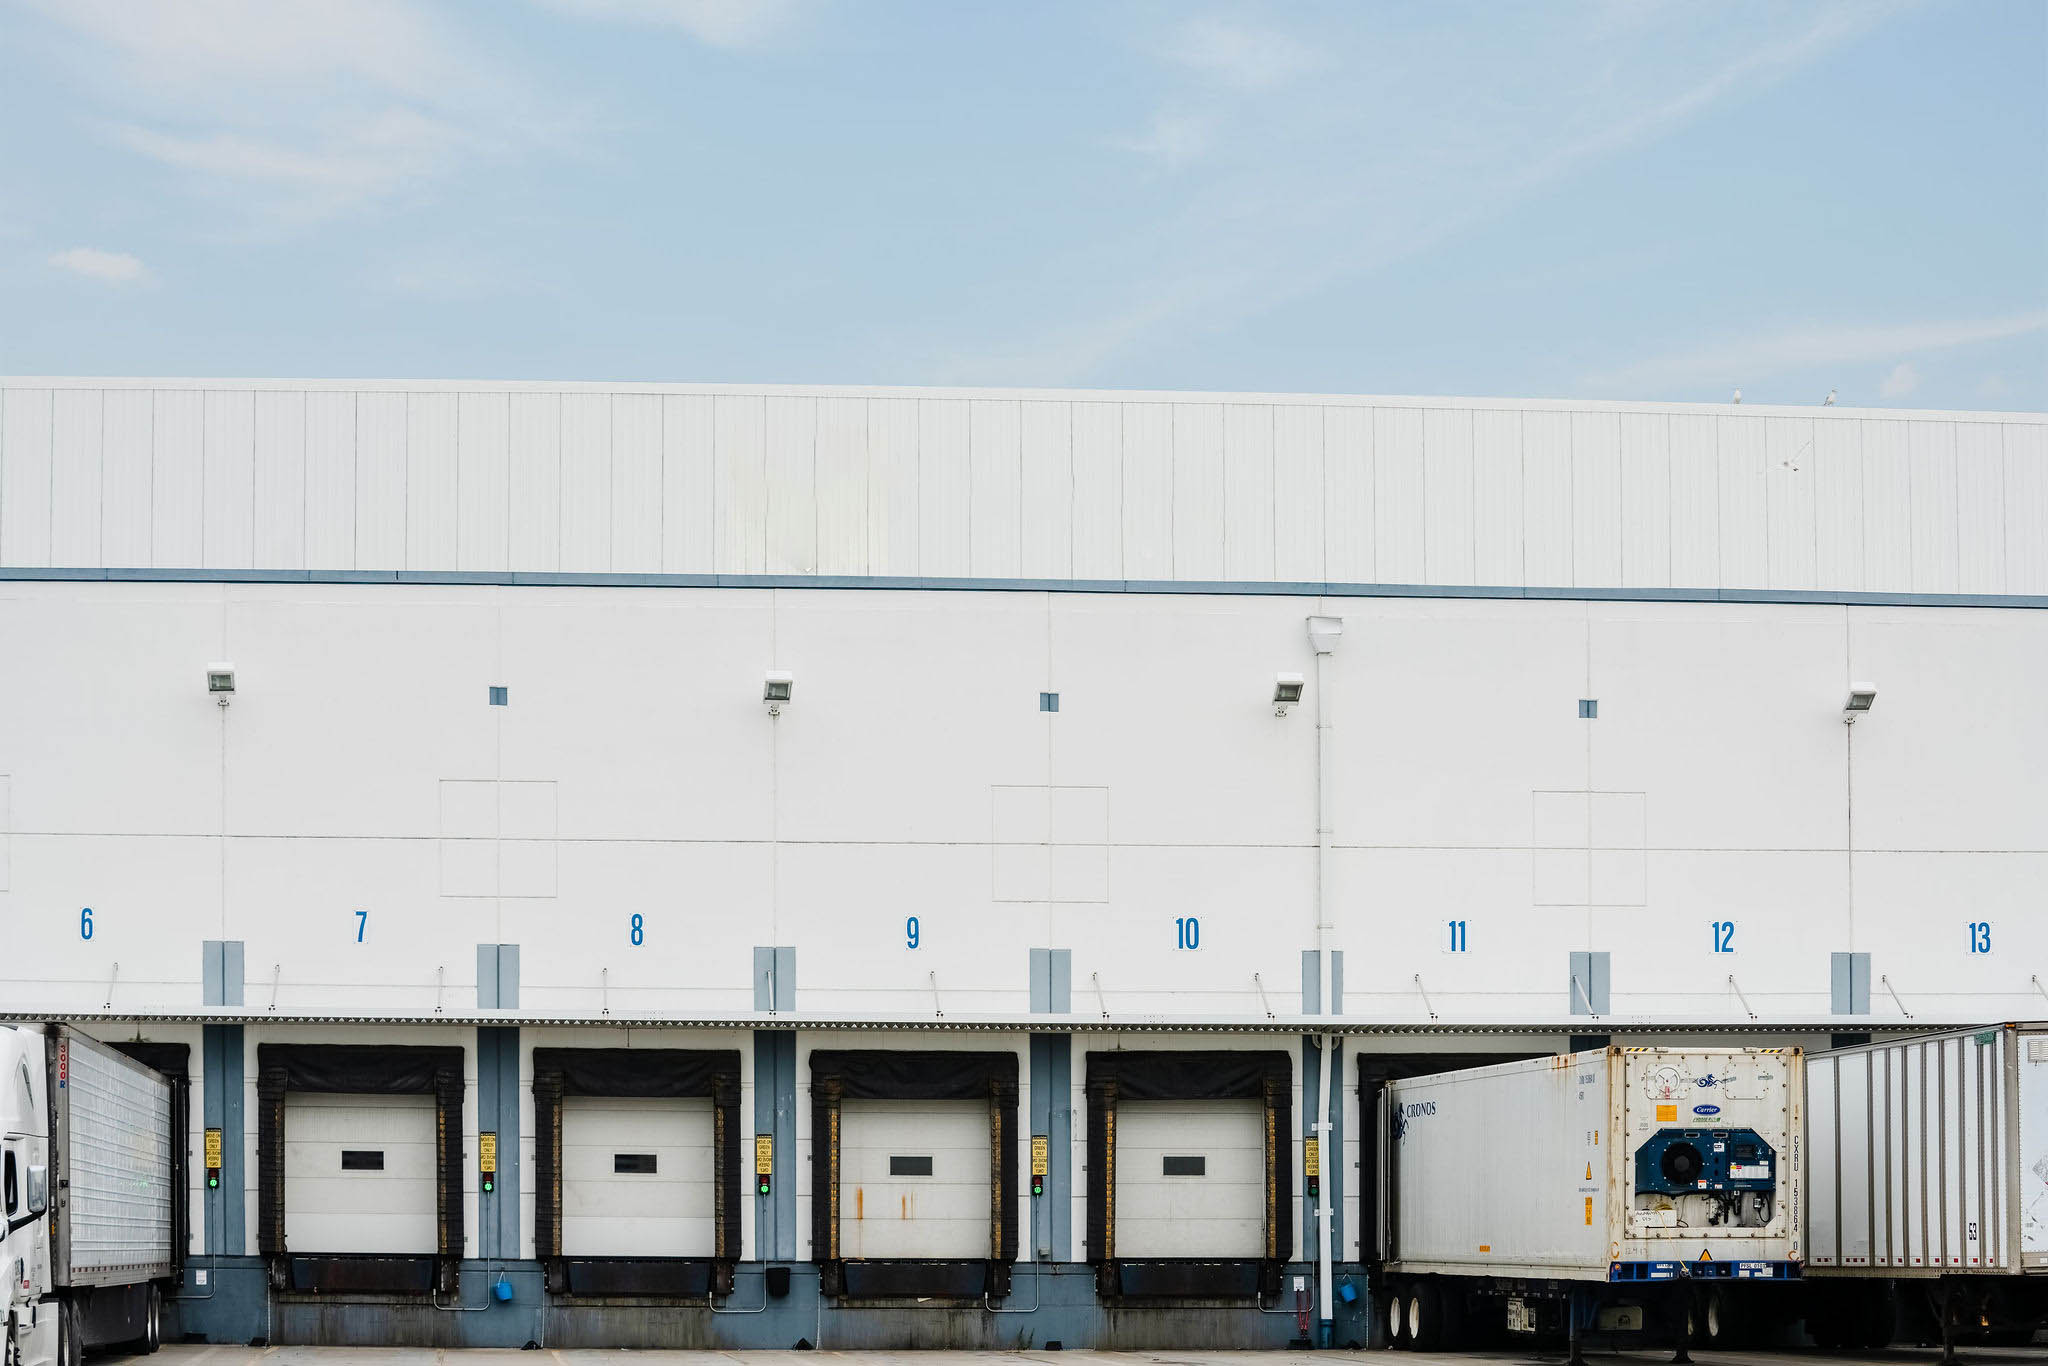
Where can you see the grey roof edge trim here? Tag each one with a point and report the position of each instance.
(997, 393)
(1075, 1023)
(882, 583)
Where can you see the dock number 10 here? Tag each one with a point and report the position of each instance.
(1187, 932)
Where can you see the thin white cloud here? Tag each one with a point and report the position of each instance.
(326, 105)
(1173, 140)
(717, 23)
(1239, 55)
(109, 267)
(1753, 359)
(1903, 380)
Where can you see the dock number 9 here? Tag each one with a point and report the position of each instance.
(910, 933)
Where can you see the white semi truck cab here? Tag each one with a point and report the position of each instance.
(86, 1190)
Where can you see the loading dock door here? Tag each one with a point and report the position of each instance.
(1190, 1178)
(359, 1173)
(914, 1178)
(638, 1177)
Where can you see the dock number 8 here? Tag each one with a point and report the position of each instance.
(639, 931)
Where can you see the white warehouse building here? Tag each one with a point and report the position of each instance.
(719, 865)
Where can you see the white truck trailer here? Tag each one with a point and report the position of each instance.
(1620, 1192)
(1927, 1202)
(85, 1173)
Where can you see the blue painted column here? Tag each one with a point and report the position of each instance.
(221, 1106)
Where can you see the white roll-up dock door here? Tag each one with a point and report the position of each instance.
(638, 1177)
(359, 1173)
(914, 1179)
(1190, 1178)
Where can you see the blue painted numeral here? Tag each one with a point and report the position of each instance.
(1724, 936)
(910, 933)
(362, 923)
(1457, 940)
(1980, 936)
(1187, 932)
(85, 923)
(639, 934)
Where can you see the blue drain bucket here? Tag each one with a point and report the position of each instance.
(503, 1290)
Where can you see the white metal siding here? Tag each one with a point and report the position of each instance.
(1221, 1213)
(665, 1213)
(945, 1214)
(1255, 488)
(329, 1209)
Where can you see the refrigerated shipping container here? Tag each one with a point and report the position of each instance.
(1617, 1191)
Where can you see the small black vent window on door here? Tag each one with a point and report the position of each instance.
(362, 1159)
(910, 1166)
(1184, 1166)
(641, 1164)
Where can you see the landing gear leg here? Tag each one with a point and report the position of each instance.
(1572, 1317)
(1681, 1314)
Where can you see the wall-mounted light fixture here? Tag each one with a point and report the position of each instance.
(1286, 692)
(220, 682)
(1862, 697)
(777, 690)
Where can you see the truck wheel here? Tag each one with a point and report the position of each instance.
(70, 1336)
(1875, 1324)
(1426, 1318)
(153, 1334)
(1397, 1318)
(1715, 1327)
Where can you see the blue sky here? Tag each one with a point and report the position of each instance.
(1619, 199)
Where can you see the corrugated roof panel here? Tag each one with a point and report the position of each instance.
(483, 482)
(431, 461)
(1199, 511)
(1449, 496)
(2026, 508)
(331, 480)
(1497, 498)
(380, 480)
(1745, 545)
(995, 495)
(894, 524)
(1596, 498)
(842, 483)
(1046, 452)
(790, 440)
(637, 470)
(945, 488)
(1300, 494)
(25, 477)
(689, 478)
(278, 475)
(1931, 453)
(1248, 492)
(75, 477)
(1837, 460)
(1645, 500)
(1148, 491)
(1400, 522)
(127, 459)
(586, 508)
(1350, 535)
(534, 483)
(1547, 498)
(1098, 490)
(1887, 508)
(228, 522)
(1980, 507)
(1789, 501)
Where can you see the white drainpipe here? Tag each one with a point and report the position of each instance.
(1323, 634)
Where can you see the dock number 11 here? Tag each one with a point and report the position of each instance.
(1454, 936)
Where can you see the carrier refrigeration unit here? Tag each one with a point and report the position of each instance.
(1621, 1192)
(1928, 1197)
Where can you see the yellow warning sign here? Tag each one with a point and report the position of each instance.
(1706, 1255)
(487, 1153)
(764, 1154)
(1667, 1114)
(1589, 1211)
(1041, 1155)
(1312, 1157)
(213, 1148)
(1589, 1171)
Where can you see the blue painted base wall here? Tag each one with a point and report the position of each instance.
(1049, 1303)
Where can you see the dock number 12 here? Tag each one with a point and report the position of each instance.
(1724, 936)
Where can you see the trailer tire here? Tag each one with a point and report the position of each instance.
(1715, 1325)
(70, 1336)
(1426, 1317)
(1397, 1317)
(1877, 1321)
(153, 1332)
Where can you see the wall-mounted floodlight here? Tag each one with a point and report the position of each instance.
(1286, 692)
(1862, 697)
(777, 689)
(220, 682)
